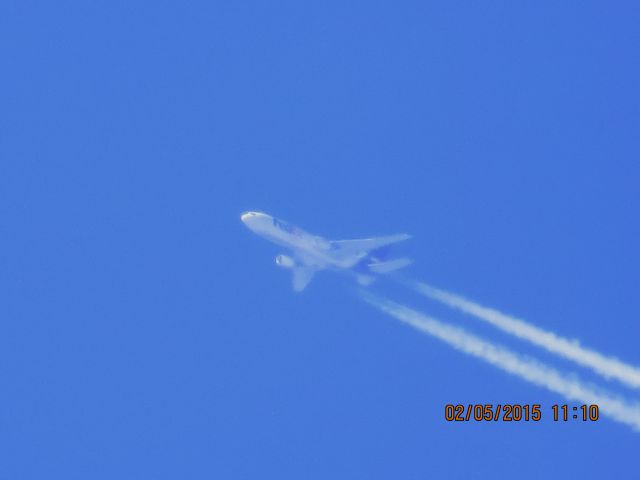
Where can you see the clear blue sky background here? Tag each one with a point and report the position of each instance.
(145, 333)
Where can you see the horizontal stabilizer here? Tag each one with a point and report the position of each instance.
(390, 266)
(365, 280)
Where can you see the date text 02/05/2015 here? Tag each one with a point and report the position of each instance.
(489, 412)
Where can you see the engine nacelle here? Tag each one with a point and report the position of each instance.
(285, 262)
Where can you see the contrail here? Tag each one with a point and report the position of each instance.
(526, 368)
(606, 366)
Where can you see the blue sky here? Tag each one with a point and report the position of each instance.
(146, 333)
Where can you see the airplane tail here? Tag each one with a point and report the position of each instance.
(389, 266)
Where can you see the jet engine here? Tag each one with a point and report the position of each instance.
(285, 262)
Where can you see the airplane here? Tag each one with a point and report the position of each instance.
(363, 258)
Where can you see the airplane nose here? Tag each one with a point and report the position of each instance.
(246, 216)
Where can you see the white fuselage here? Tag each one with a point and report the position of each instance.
(309, 249)
(362, 258)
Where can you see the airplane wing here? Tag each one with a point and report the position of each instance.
(302, 275)
(363, 246)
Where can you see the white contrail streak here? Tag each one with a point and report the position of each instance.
(526, 368)
(606, 366)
